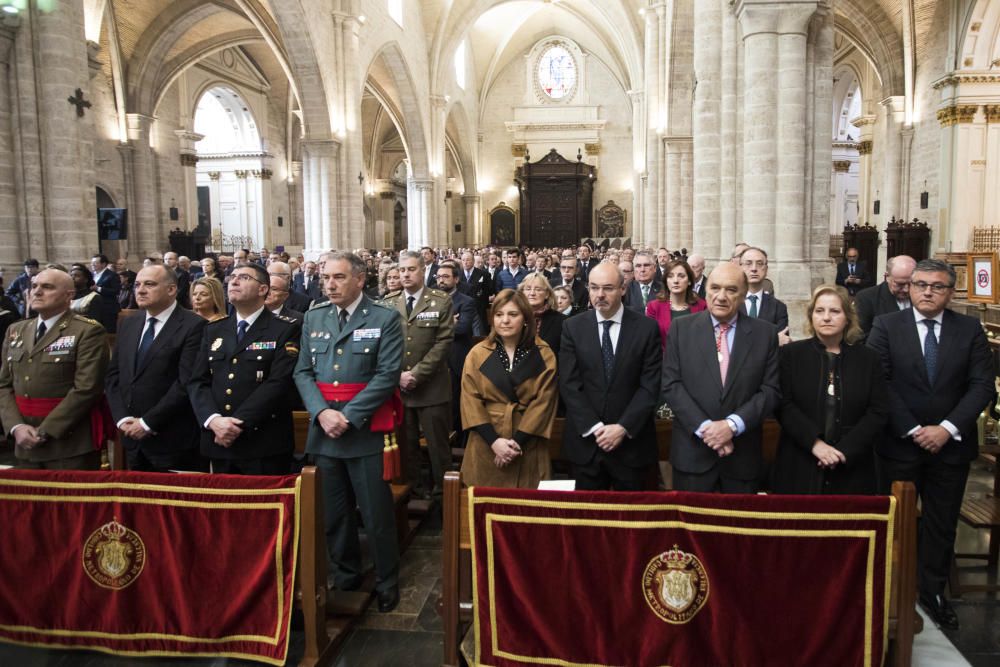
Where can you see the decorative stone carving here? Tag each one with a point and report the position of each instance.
(518, 149)
(611, 220)
(864, 147)
(841, 166)
(992, 112)
(241, 173)
(214, 175)
(963, 113)
(592, 149)
(387, 195)
(189, 160)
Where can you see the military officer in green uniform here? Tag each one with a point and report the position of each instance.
(425, 381)
(348, 369)
(52, 380)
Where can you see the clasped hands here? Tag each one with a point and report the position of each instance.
(27, 436)
(610, 436)
(826, 455)
(719, 436)
(333, 422)
(133, 429)
(226, 430)
(505, 450)
(931, 438)
(407, 381)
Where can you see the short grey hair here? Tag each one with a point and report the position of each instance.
(412, 254)
(357, 264)
(936, 266)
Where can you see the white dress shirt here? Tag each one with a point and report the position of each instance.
(613, 333)
(922, 333)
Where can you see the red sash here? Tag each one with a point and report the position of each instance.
(385, 419)
(102, 425)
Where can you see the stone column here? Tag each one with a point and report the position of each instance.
(819, 176)
(473, 221)
(889, 192)
(651, 211)
(351, 225)
(955, 219)
(865, 142)
(418, 211)
(730, 173)
(706, 125)
(56, 158)
(189, 160)
(12, 248)
(144, 221)
(296, 214)
(320, 211)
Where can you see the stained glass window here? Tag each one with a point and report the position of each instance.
(556, 72)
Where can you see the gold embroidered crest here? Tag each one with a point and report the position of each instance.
(675, 586)
(114, 556)
(216, 344)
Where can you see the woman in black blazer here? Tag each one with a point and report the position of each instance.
(833, 403)
(542, 299)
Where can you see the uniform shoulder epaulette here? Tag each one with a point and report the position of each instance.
(392, 295)
(285, 318)
(382, 304)
(438, 293)
(322, 304)
(81, 318)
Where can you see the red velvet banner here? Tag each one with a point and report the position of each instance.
(680, 579)
(149, 564)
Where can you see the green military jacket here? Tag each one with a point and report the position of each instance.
(429, 331)
(369, 351)
(69, 362)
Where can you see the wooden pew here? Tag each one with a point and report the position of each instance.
(456, 609)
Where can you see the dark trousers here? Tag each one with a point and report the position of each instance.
(88, 461)
(269, 465)
(188, 460)
(357, 483)
(940, 487)
(435, 423)
(603, 473)
(711, 482)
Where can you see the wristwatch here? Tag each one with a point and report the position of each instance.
(732, 425)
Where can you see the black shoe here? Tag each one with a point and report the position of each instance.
(940, 611)
(387, 600)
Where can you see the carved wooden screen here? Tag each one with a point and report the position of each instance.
(556, 196)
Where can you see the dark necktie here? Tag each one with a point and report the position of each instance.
(931, 351)
(753, 305)
(40, 332)
(409, 305)
(343, 318)
(241, 330)
(607, 350)
(146, 342)
(850, 269)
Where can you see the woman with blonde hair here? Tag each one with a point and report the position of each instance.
(508, 402)
(207, 299)
(833, 403)
(388, 279)
(542, 299)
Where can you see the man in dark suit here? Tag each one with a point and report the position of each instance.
(308, 282)
(172, 262)
(940, 375)
(430, 266)
(242, 388)
(645, 287)
(697, 264)
(585, 262)
(476, 283)
(147, 378)
(567, 276)
(295, 300)
(609, 380)
(760, 303)
(467, 326)
(853, 274)
(107, 284)
(892, 295)
(278, 298)
(720, 378)
(342, 441)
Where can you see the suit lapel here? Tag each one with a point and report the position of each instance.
(741, 350)
(167, 329)
(911, 339)
(625, 335)
(704, 334)
(128, 344)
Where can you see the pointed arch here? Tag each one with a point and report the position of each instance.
(411, 114)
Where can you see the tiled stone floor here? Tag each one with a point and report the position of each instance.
(412, 636)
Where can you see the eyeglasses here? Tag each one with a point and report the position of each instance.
(241, 277)
(936, 288)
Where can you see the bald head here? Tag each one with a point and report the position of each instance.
(726, 289)
(897, 274)
(606, 285)
(51, 293)
(279, 269)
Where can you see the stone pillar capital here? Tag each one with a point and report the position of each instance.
(770, 16)
(328, 148)
(471, 199)
(138, 126)
(421, 184)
